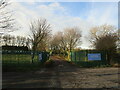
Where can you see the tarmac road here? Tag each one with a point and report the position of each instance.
(63, 75)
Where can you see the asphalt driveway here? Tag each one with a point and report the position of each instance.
(63, 75)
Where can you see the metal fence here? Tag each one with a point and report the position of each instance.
(23, 56)
(86, 55)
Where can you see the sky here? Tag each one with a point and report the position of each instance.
(65, 14)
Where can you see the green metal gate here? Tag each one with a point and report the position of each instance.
(82, 56)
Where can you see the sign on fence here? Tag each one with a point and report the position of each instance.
(94, 56)
(40, 56)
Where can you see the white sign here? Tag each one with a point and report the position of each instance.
(94, 56)
(40, 56)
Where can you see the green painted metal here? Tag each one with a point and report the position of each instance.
(45, 56)
(73, 57)
(22, 56)
(82, 55)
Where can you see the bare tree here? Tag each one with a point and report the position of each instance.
(13, 39)
(0, 40)
(18, 40)
(6, 19)
(100, 31)
(9, 40)
(118, 42)
(39, 31)
(5, 40)
(71, 38)
(28, 42)
(55, 43)
(43, 45)
(66, 41)
(104, 37)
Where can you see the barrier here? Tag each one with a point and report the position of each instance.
(23, 56)
(88, 55)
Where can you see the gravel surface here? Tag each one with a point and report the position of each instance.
(63, 75)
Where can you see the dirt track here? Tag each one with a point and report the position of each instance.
(63, 75)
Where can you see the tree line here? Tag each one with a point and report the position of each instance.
(67, 40)
(10, 40)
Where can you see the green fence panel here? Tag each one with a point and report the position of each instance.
(73, 57)
(77, 56)
(22, 56)
(82, 56)
(45, 56)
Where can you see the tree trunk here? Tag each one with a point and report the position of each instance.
(108, 57)
(33, 54)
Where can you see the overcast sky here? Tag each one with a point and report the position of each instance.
(65, 14)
